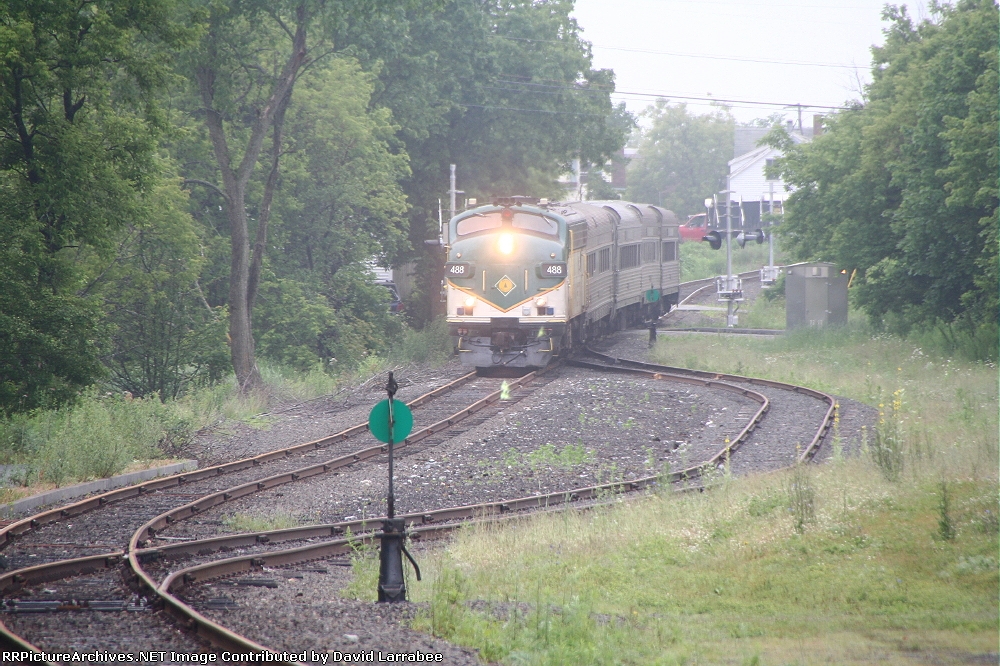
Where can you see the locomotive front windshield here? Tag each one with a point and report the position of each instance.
(523, 221)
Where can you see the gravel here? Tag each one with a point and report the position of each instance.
(574, 428)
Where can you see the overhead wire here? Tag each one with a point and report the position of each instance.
(686, 55)
(552, 89)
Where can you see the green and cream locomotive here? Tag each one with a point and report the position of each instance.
(525, 280)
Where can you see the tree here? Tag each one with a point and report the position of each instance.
(682, 158)
(79, 120)
(338, 205)
(904, 188)
(165, 336)
(503, 89)
(245, 71)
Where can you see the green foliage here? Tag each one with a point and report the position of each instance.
(887, 448)
(259, 522)
(96, 438)
(684, 158)
(904, 188)
(506, 91)
(946, 525)
(79, 113)
(166, 336)
(339, 201)
(48, 341)
(338, 324)
(699, 260)
(430, 345)
(801, 498)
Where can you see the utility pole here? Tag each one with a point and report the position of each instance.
(452, 192)
(769, 274)
(729, 288)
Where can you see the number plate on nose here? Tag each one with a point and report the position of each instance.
(555, 269)
(458, 269)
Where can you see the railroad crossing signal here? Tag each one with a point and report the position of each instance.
(714, 239)
(744, 237)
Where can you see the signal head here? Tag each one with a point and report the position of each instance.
(714, 239)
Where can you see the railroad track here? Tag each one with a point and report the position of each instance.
(145, 520)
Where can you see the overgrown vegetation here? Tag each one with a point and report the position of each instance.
(903, 187)
(103, 433)
(698, 260)
(189, 187)
(818, 564)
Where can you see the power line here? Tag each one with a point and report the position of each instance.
(508, 108)
(802, 63)
(670, 96)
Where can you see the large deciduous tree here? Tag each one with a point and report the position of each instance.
(904, 187)
(245, 72)
(682, 157)
(504, 89)
(79, 124)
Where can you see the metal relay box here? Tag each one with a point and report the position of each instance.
(815, 295)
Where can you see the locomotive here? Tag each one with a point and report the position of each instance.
(527, 278)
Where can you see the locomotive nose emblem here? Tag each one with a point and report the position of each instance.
(505, 285)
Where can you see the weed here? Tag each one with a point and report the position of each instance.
(364, 566)
(887, 448)
(946, 528)
(801, 497)
(246, 522)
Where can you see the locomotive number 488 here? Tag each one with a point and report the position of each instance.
(553, 269)
(458, 269)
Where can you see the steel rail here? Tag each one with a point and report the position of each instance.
(15, 580)
(226, 639)
(418, 521)
(220, 636)
(20, 527)
(817, 439)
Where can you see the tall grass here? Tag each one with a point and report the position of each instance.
(699, 260)
(99, 436)
(840, 563)
(103, 433)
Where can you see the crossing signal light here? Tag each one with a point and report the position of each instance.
(714, 239)
(743, 237)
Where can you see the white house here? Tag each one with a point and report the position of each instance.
(746, 170)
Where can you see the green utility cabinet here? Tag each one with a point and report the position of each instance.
(815, 295)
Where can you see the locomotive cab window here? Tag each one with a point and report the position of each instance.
(523, 221)
(536, 223)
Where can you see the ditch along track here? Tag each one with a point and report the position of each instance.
(145, 510)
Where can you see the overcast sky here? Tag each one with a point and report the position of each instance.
(786, 52)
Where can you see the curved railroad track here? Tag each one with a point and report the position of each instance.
(130, 523)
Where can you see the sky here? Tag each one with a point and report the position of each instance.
(815, 52)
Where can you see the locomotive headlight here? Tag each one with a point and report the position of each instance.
(470, 302)
(541, 301)
(506, 243)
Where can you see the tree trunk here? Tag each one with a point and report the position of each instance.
(243, 279)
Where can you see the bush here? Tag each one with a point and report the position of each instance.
(698, 260)
(430, 345)
(98, 437)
